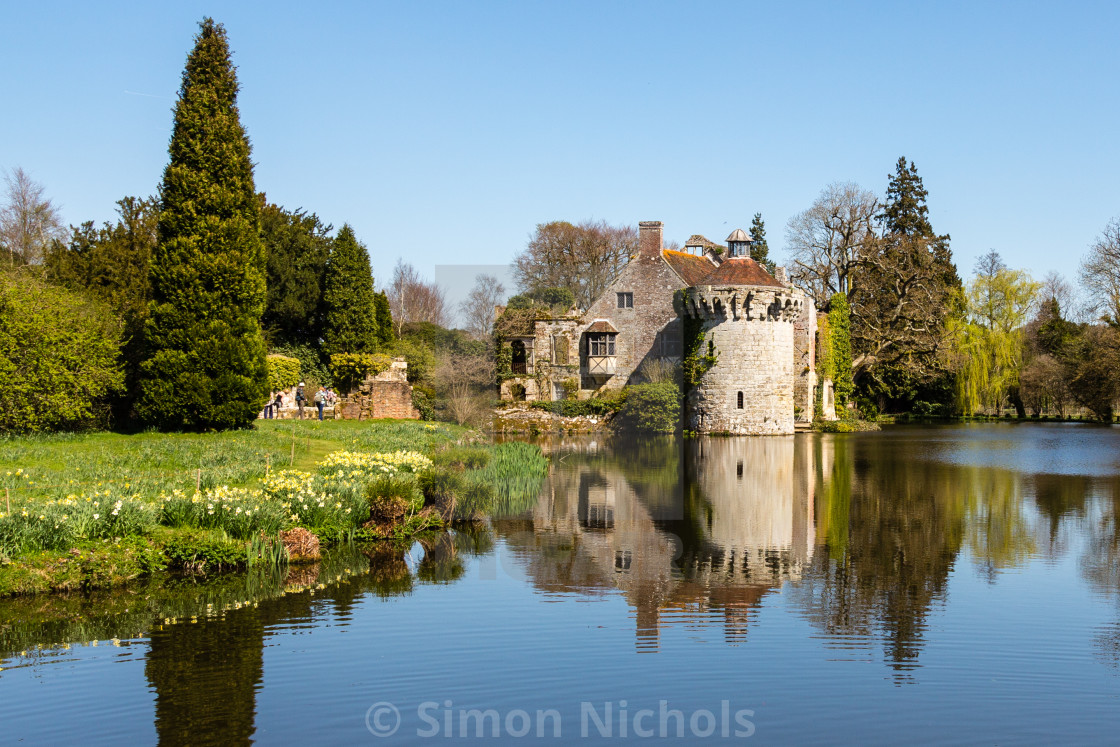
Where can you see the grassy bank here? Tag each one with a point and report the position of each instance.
(97, 510)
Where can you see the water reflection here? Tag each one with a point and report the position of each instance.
(861, 533)
(687, 532)
(861, 536)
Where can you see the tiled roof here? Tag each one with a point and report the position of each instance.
(691, 267)
(602, 325)
(740, 271)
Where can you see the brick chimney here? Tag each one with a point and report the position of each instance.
(649, 238)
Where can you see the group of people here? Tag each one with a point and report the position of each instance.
(322, 398)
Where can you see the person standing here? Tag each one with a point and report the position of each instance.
(277, 404)
(268, 407)
(321, 400)
(300, 399)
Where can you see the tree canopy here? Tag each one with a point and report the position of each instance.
(297, 245)
(584, 258)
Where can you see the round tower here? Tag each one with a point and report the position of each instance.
(741, 323)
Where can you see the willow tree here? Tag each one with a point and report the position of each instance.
(987, 342)
(204, 355)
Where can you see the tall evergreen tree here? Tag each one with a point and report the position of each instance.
(760, 250)
(384, 320)
(204, 355)
(298, 245)
(350, 322)
(907, 286)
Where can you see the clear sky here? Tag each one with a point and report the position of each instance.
(444, 132)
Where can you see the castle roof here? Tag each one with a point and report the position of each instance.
(691, 267)
(739, 235)
(740, 271)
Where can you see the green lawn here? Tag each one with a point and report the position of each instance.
(51, 467)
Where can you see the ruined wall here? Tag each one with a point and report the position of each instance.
(386, 395)
(552, 357)
(805, 361)
(752, 331)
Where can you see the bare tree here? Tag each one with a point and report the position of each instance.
(827, 241)
(464, 383)
(585, 259)
(28, 221)
(1100, 273)
(478, 308)
(412, 299)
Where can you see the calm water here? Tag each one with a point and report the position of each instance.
(937, 585)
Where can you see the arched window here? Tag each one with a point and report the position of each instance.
(740, 405)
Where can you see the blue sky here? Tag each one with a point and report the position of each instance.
(444, 132)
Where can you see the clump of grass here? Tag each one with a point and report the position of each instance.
(515, 473)
(268, 552)
(441, 487)
(463, 457)
(393, 497)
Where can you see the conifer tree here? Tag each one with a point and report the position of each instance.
(906, 288)
(297, 244)
(204, 356)
(384, 320)
(760, 250)
(350, 322)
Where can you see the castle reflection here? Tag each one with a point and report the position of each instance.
(689, 532)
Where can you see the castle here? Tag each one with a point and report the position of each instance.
(754, 333)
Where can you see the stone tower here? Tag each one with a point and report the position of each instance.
(745, 319)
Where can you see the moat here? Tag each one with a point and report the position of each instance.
(928, 584)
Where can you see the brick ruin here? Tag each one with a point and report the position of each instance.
(385, 395)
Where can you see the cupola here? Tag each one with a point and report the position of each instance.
(739, 243)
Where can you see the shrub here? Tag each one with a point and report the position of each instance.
(199, 551)
(58, 357)
(350, 369)
(311, 365)
(652, 408)
(571, 408)
(283, 372)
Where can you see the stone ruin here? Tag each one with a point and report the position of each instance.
(384, 395)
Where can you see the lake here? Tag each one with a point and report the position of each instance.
(956, 584)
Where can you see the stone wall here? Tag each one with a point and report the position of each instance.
(751, 329)
(552, 357)
(653, 284)
(386, 395)
(805, 361)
